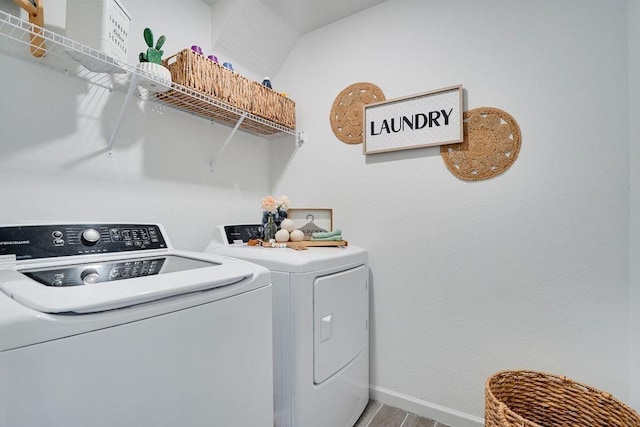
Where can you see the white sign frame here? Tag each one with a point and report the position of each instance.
(416, 121)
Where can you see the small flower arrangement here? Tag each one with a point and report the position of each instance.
(272, 205)
(276, 208)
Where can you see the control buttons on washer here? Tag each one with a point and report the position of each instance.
(89, 276)
(90, 237)
(115, 235)
(57, 238)
(58, 279)
(131, 269)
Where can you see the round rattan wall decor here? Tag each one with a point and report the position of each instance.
(346, 115)
(491, 144)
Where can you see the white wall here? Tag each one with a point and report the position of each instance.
(634, 143)
(54, 131)
(526, 270)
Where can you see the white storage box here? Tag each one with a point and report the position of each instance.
(100, 24)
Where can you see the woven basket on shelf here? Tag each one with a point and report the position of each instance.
(535, 399)
(272, 106)
(199, 73)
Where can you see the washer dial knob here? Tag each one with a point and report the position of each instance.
(90, 236)
(89, 276)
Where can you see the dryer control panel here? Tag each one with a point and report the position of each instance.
(46, 241)
(241, 233)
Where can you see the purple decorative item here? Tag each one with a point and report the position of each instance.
(196, 49)
(213, 58)
(228, 65)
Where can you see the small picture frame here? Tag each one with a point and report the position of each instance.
(311, 220)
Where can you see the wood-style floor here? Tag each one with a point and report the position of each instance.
(377, 414)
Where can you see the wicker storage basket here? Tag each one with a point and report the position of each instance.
(199, 73)
(272, 106)
(534, 399)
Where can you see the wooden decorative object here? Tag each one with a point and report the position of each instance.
(491, 144)
(347, 112)
(303, 245)
(36, 18)
(536, 399)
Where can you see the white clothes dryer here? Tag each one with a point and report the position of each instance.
(107, 325)
(320, 327)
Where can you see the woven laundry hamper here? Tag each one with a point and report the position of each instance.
(535, 399)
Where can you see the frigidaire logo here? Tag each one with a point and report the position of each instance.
(15, 242)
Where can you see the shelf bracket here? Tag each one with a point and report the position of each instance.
(224, 146)
(133, 84)
(299, 139)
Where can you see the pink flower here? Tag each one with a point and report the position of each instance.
(269, 204)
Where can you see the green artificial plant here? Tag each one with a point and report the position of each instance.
(154, 54)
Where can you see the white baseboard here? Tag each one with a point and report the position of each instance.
(423, 408)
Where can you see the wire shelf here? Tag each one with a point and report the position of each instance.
(77, 60)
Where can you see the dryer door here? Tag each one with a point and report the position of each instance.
(340, 320)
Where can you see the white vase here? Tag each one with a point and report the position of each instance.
(154, 77)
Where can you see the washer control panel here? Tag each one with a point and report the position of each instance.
(89, 274)
(46, 241)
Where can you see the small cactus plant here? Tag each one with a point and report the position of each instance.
(154, 54)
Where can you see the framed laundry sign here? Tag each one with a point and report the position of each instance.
(423, 120)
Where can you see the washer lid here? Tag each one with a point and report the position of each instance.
(89, 294)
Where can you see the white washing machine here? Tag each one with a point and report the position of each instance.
(107, 325)
(320, 327)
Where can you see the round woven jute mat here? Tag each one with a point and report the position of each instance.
(491, 144)
(346, 115)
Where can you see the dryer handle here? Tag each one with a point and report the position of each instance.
(326, 328)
